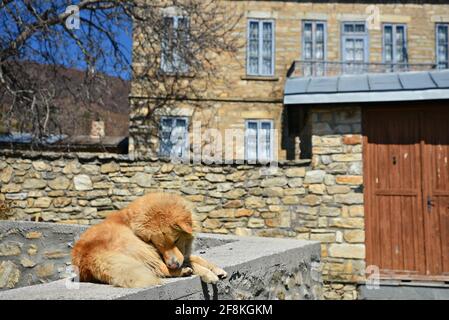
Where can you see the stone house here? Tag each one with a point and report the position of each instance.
(349, 86)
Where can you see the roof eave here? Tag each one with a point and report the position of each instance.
(377, 96)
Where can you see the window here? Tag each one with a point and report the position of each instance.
(260, 48)
(395, 45)
(314, 47)
(173, 137)
(442, 46)
(354, 46)
(259, 140)
(174, 45)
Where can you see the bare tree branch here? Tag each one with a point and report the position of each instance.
(34, 32)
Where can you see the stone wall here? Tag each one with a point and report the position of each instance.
(338, 188)
(240, 199)
(34, 253)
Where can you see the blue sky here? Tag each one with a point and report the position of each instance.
(66, 52)
(125, 40)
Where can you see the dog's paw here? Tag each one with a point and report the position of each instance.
(209, 278)
(186, 272)
(220, 273)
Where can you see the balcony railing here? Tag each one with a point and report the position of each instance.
(318, 68)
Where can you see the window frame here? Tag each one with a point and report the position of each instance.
(174, 118)
(355, 35)
(314, 23)
(260, 46)
(171, 69)
(303, 42)
(437, 45)
(259, 125)
(394, 45)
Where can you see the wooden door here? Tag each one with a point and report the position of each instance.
(393, 191)
(407, 190)
(435, 129)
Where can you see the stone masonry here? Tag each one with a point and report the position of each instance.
(35, 253)
(337, 185)
(232, 96)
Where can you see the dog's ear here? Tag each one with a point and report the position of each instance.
(185, 226)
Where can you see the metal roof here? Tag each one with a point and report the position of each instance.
(371, 87)
(18, 140)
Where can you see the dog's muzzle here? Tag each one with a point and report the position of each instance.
(173, 264)
(173, 258)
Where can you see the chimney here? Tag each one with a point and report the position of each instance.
(97, 129)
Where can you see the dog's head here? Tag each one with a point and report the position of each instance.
(172, 234)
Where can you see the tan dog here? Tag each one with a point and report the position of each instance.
(137, 246)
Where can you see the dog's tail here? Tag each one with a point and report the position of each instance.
(122, 270)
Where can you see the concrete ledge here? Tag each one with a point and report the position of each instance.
(258, 268)
(104, 157)
(405, 291)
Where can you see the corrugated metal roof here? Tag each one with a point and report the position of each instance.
(404, 86)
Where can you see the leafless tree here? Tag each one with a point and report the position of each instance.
(167, 54)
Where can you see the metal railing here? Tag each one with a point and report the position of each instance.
(317, 68)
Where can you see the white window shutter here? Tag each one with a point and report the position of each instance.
(264, 147)
(167, 45)
(165, 137)
(400, 44)
(355, 40)
(267, 48)
(251, 141)
(260, 50)
(259, 140)
(174, 44)
(388, 43)
(442, 46)
(173, 137)
(179, 138)
(253, 48)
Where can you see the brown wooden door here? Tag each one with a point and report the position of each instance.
(435, 129)
(405, 163)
